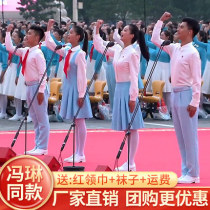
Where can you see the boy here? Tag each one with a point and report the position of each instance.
(33, 67)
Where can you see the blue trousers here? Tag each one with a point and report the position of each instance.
(39, 116)
(186, 130)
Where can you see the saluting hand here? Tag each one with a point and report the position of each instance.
(119, 24)
(192, 110)
(165, 16)
(132, 106)
(10, 27)
(50, 24)
(99, 23)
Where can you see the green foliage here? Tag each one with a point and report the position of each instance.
(39, 9)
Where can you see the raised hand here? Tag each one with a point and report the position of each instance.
(10, 27)
(119, 24)
(165, 16)
(98, 25)
(50, 24)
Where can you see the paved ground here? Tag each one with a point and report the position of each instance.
(6, 125)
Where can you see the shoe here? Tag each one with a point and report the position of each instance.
(16, 118)
(29, 119)
(77, 159)
(181, 178)
(189, 180)
(202, 114)
(69, 158)
(3, 116)
(37, 152)
(30, 151)
(124, 167)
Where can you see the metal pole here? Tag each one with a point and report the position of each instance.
(60, 12)
(75, 11)
(145, 21)
(2, 10)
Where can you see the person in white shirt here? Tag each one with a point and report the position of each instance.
(33, 67)
(126, 66)
(186, 86)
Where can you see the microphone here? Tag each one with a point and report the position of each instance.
(166, 42)
(58, 47)
(110, 44)
(19, 46)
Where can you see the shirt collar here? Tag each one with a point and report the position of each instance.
(75, 48)
(186, 45)
(33, 48)
(127, 48)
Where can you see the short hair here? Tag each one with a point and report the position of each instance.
(60, 32)
(38, 30)
(63, 23)
(44, 27)
(192, 25)
(37, 22)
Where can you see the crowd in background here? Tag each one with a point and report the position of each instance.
(12, 82)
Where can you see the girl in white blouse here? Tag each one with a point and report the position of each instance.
(126, 65)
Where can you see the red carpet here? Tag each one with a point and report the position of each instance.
(158, 149)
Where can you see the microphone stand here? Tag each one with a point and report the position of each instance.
(27, 110)
(73, 125)
(127, 133)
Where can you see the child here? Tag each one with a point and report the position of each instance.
(33, 67)
(74, 86)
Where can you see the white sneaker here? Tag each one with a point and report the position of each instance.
(16, 117)
(30, 151)
(37, 152)
(189, 180)
(124, 167)
(181, 178)
(29, 119)
(77, 159)
(202, 113)
(3, 116)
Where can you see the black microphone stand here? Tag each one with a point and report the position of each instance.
(35, 94)
(127, 133)
(73, 125)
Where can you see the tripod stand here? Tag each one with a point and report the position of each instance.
(127, 133)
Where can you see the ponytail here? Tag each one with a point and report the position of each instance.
(139, 37)
(85, 42)
(143, 46)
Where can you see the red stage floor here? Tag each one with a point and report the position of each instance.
(158, 149)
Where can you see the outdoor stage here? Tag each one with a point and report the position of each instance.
(158, 149)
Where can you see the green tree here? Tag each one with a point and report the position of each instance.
(149, 10)
(40, 9)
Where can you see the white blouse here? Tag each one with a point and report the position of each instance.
(126, 64)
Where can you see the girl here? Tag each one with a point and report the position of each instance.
(162, 70)
(9, 78)
(20, 90)
(3, 67)
(74, 86)
(126, 65)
